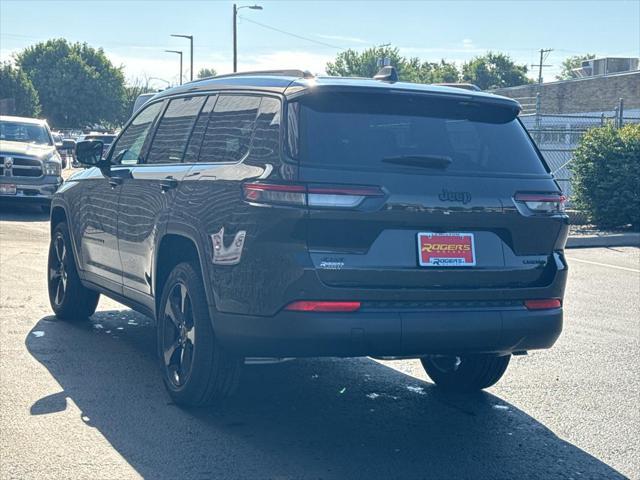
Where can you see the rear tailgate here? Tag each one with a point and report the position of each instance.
(396, 145)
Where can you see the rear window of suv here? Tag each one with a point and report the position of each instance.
(398, 131)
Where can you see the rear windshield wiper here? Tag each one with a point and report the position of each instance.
(425, 161)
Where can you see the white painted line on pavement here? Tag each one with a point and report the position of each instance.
(573, 259)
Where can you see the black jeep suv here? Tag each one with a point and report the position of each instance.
(277, 214)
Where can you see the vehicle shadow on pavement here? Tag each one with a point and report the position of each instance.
(23, 213)
(314, 418)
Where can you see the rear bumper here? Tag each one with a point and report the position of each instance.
(461, 331)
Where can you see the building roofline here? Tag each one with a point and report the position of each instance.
(557, 82)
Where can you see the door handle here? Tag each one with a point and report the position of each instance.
(168, 183)
(115, 181)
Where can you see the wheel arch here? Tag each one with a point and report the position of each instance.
(59, 215)
(173, 248)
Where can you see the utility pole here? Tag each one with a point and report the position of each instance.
(544, 53)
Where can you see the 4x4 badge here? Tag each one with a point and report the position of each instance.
(447, 196)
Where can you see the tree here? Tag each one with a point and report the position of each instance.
(17, 95)
(438, 72)
(77, 84)
(132, 91)
(605, 171)
(568, 64)
(351, 63)
(494, 70)
(207, 72)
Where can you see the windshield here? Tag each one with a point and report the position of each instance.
(392, 132)
(24, 132)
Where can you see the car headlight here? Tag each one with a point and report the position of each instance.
(53, 166)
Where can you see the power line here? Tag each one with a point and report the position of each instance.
(295, 35)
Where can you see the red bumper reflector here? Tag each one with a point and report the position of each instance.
(311, 306)
(544, 304)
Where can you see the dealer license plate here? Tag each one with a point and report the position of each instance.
(446, 249)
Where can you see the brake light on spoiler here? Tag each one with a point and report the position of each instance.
(540, 203)
(302, 195)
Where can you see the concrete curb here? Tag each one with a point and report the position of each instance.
(630, 239)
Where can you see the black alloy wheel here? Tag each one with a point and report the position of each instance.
(58, 276)
(179, 336)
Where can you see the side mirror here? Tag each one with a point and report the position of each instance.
(89, 153)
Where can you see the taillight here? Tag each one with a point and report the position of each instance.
(543, 304)
(541, 203)
(313, 306)
(275, 193)
(309, 195)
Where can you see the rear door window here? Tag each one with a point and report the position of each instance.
(230, 129)
(266, 138)
(390, 132)
(174, 129)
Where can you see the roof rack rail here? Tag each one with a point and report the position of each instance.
(281, 73)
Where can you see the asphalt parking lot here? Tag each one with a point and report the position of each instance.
(86, 401)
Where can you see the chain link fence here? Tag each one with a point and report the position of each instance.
(557, 137)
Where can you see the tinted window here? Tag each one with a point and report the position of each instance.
(191, 155)
(170, 140)
(230, 128)
(128, 148)
(266, 136)
(386, 132)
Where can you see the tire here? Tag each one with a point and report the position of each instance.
(196, 371)
(465, 374)
(69, 299)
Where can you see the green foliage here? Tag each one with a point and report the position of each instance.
(206, 72)
(132, 91)
(494, 70)
(430, 72)
(16, 88)
(570, 63)
(77, 84)
(351, 63)
(606, 173)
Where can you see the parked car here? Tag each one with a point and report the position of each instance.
(62, 146)
(284, 215)
(141, 100)
(30, 165)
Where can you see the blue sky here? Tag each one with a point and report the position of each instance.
(136, 33)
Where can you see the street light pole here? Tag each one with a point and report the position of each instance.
(179, 52)
(190, 37)
(235, 39)
(235, 31)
